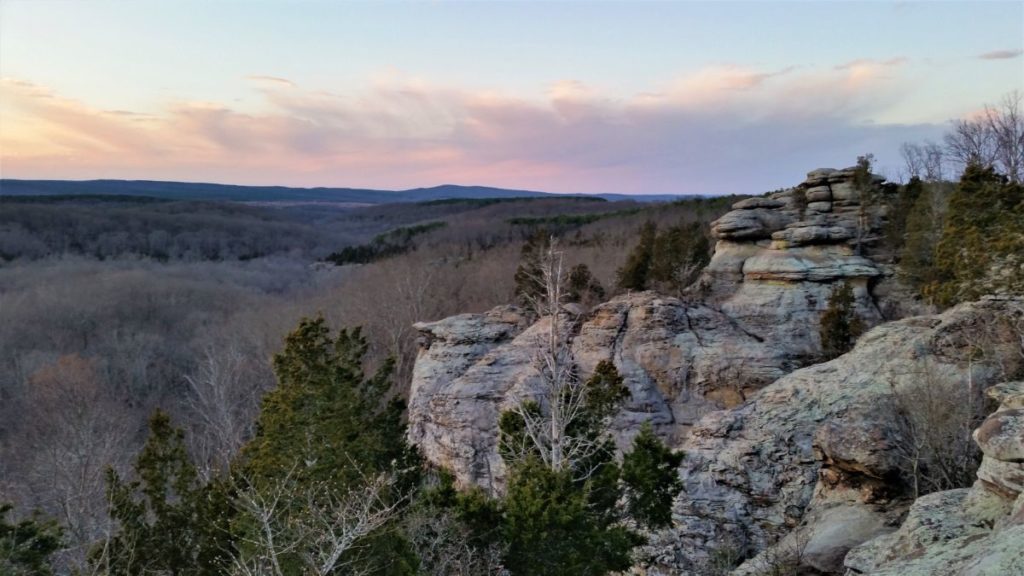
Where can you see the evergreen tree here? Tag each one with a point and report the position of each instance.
(840, 325)
(634, 273)
(553, 527)
(650, 474)
(324, 431)
(900, 209)
(680, 253)
(529, 277)
(26, 546)
(567, 521)
(863, 183)
(923, 229)
(982, 239)
(583, 287)
(169, 522)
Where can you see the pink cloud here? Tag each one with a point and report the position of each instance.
(691, 135)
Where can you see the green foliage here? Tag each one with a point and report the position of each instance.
(392, 243)
(571, 521)
(529, 278)
(583, 287)
(840, 325)
(982, 239)
(680, 253)
(553, 528)
(325, 422)
(863, 183)
(670, 260)
(325, 429)
(634, 273)
(169, 521)
(922, 231)
(900, 211)
(27, 545)
(563, 221)
(651, 478)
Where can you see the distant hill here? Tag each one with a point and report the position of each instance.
(228, 192)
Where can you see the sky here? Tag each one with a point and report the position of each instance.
(571, 96)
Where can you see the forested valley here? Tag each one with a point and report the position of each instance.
(219, 388)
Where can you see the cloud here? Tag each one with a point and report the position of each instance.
(869, 63)
(1000, 54)
(719, 129)
(270, 79)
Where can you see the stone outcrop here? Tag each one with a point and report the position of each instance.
(680, 361)
(777, 258)
(753, 317)
(784, 465)
(814, 464)
(977, 531)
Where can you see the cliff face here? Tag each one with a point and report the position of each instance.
(978, 530)
(752, 317)
(817, 463)
(782, 463)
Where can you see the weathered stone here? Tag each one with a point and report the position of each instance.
(750, 224)
(818, 194)
(1010, 395)
(1001, 436)
(819, 206)
(752, 471)
(836, 531)
(751, 203)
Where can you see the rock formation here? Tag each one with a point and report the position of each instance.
(977, 531)
(816, 463)
(782, 464)
(778, 257)
(768, 282)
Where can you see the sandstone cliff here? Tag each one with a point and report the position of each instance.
(753, 317)
(816, 463)
(784, 465)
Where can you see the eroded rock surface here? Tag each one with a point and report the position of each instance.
(768, 283)
(977, 531)
(811, 466)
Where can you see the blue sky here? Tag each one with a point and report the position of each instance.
(684, 97)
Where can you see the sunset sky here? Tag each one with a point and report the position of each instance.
(632, 97)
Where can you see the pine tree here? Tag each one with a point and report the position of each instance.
(27, 546)
(634, 273)
(169, 521)
(840, 325)
(983, 233)
(583, 287)
(923, 229)
(680, 253)
(650, 474)
(323, 434)
(529, 277)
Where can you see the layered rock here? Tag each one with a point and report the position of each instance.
(977, 531)
(778, 257)
(680, 361)
(768, 283)
(814, 464)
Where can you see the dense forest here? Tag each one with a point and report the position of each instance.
(232, 376)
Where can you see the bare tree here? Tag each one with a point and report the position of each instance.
(993, 138)
(74, 434)
(549, 414)
(223, 402)
(318, 529)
